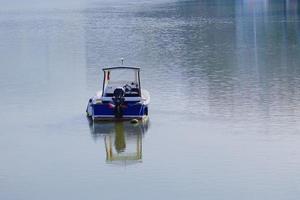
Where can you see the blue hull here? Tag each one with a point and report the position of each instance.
(106, 111)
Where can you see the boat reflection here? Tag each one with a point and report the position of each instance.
(123, 140)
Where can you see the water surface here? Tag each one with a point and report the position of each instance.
(224, 79)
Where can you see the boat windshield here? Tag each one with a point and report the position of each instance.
(125, 77)
(120, 76)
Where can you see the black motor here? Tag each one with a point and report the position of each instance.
(118, 100)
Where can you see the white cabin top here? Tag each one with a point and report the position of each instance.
(126, 77)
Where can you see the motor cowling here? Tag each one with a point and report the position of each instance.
(118, 100)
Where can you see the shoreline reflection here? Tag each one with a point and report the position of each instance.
(122, 140)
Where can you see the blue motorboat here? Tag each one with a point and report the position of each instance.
(121, 97)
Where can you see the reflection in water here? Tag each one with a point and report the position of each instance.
(224, 79)
(123, 140)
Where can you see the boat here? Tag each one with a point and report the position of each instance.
(121, 97)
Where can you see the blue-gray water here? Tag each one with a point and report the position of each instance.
(224, 79)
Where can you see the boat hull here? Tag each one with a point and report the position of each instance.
(105, 111)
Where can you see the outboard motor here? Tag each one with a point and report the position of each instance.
(118, 100)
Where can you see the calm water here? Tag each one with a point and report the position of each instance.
(224, 79)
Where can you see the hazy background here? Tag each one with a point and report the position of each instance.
(224, 80)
